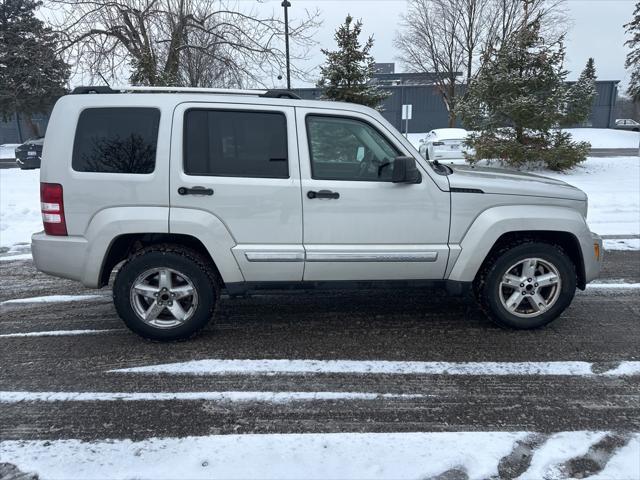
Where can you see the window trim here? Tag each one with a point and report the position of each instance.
(129, 107)
(345, 117)
(234, 110)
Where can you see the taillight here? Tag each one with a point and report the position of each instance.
(52, 209)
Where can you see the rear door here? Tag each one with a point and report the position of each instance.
(239, 163)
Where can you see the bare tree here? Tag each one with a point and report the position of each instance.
(446, 37)
(504, 17)
(428, 42)
(178, 42)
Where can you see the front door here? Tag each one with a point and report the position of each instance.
(357, 224)
(234, 167)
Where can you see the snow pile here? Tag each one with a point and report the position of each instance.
(19, 205)
(475, 455)
(8, 151)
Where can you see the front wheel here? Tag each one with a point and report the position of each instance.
(165, 293)
(526, 286)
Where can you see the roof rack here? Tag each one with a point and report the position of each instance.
(218, 91)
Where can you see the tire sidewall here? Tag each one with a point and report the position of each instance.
(549, 253)
(132, 269)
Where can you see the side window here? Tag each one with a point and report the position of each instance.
(116, 140)
(235, 144)
(348, 149)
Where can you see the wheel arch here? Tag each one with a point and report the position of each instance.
(551, 224)
(565, 240)
(123, 246)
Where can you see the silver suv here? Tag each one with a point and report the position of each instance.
(190, 193)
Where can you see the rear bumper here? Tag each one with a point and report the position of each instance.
(24, 161)
(62, 257)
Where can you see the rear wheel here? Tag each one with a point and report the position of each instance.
(166, 293)
(527, 285)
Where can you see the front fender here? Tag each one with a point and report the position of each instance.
(494, 222)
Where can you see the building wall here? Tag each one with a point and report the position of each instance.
(12, 132)
(429, 111)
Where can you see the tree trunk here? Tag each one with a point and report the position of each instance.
(520, 135)
(452, 102)
(34, 127)
(19, 127)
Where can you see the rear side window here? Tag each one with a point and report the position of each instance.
(116, 140)
(235, 144)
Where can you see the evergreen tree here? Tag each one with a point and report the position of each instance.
(633, 57)
(580, 96)
(347, 72)
(517, 100)
(32, 76)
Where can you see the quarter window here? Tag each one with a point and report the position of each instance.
(235, 144)
(116, 140)
(348, 149)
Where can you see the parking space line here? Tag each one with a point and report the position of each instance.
(56, 333)
(53, 299)
(223, 397)
(301, 367)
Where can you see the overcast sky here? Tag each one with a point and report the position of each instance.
(596, 30)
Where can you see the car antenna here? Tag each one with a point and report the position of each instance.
(104, 80)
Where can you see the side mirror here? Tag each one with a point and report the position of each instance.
(405, 170)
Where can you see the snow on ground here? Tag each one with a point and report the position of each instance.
(19, 205)
(318, 455)
(379, 367)
(13, 258)
(612, 183)
(613, 186)
(605, 137)
(8, 151)
(616, 244)
(597, 137)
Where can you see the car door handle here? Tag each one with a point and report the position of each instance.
(195, 191)
(322, 194)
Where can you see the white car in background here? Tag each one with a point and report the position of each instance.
(445, 144)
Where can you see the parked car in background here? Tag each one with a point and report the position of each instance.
(445, 144)
(29, 153)
(627, 124)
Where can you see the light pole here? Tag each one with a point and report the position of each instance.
(286, 4)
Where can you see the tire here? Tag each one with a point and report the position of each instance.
(176, 287)
(495, 292)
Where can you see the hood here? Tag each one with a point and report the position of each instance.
(511, 182)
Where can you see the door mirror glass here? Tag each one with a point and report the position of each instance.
(405, 170)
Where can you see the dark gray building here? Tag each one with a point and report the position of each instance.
(429, 111)
(416, 89)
